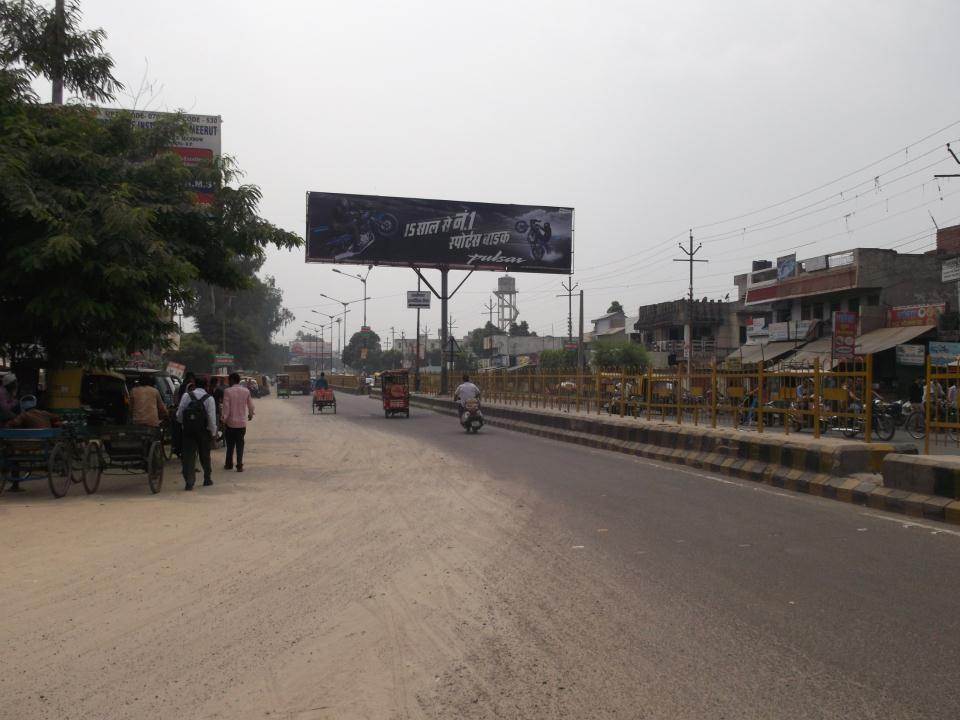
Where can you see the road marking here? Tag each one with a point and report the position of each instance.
(746, 486)
(909, 523)
(578, 547)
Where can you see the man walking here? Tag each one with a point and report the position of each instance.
(198, 420)
(237, 411)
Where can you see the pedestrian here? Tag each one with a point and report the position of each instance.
(237, 411)
(146, 403)
(185, 386)
(916, 392)
(198, 420)
(8, 397)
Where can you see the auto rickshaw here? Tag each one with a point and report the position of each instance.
(283, 385)
(395, 391)
(73, 390)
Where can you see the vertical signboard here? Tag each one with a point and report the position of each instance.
(844, 334)
(786, 266)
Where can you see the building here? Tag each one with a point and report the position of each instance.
(660, 327)
(517, 350)
(408, 348)
(787, 308)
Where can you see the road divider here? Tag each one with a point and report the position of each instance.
(849, 471)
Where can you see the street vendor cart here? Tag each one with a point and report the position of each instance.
(395, 392)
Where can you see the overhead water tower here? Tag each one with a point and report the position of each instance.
(507, 311)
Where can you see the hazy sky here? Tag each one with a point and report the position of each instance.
(647, 117)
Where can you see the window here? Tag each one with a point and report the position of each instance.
(818, 311)
(783, 315)
(806, 312)
(873, 300)
(853, 304)
(834, 307)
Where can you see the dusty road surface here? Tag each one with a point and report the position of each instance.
(365, 568)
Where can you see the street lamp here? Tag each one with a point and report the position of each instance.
(363, 279)
(318, 346)
(345, 304)
(332, 318)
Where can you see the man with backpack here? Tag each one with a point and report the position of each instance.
(198, 420)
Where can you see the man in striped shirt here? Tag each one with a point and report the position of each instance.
(237, 410)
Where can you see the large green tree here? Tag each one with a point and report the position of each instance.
(353, 354)
(620, 355)
(100, 233)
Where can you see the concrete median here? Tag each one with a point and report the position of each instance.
(844, 470)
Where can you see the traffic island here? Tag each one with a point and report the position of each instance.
(844, 470)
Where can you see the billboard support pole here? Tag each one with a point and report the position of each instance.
(580, 340)
(416, 354)
(444, 375)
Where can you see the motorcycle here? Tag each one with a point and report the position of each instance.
(471, 418)
(371, 225)
(538, 236)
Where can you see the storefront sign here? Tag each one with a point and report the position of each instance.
(944, 353)
(950, 270)
(910, 354)
(176, 369)
(223, 359)
(907, 315)
(844, 334)
(793, 330)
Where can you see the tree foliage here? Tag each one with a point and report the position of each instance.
(194, 352)
(476, 337)
(622, 355)
(521, 329)
(615, 307)
(100, 233)
(558, 359)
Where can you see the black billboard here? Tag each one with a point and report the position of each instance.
(373, 230)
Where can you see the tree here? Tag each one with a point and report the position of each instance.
(558, 359)
(100, 233)
(32, 46)
(615, 307)
(352, 353)
(521, 329)
(194, 352)
(622, 355)
(389, 360)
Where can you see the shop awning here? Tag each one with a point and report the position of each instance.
(812, 353)
(885, 338)
(750, 354)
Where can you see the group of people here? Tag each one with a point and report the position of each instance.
(199, 404)
(22, 412)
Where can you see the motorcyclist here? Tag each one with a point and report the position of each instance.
(345, 221)
(464, 392)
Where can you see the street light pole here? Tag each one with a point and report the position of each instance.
(363, 279)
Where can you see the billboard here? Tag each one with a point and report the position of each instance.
(844, 334)
(405, 232)
(786, 266)
(200, 144)
(311, 349)
(909, 315)
(418, 299)
(910, 354)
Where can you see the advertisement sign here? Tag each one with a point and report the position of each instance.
(786, 266)
(907, 315)
(528, 360)
(910, 354)
(944, 353)
(201, 143)
(418, 299)
(310, 349)
(405, 232)
(950, 270)
(223, 359)
(844, 334)
(176, 369)
(793, 330)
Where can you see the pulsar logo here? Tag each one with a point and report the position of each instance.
(498, 259)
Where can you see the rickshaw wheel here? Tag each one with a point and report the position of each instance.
(92, 469)
(3, 481)
(58, 470)
(167, 441)
(155, 467)
(334, 408)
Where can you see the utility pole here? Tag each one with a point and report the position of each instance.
(60, 21)
(580, 340)
(688, 326)
(393, 337)
(569, 287)
(416, 359)
(489, 308)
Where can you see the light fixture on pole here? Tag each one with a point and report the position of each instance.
(332, 319)
(363, 279)
(319, 345)
(345, 311)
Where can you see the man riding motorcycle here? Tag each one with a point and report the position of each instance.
(466, 391)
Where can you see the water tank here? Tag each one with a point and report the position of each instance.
(507, 284)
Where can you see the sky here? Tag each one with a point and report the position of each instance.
(649, 118)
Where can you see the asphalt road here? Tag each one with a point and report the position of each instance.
(658, 591)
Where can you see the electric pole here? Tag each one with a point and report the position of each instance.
(488, 309)
(688, 326)
(569, 287)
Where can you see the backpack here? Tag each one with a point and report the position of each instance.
(195, 416)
